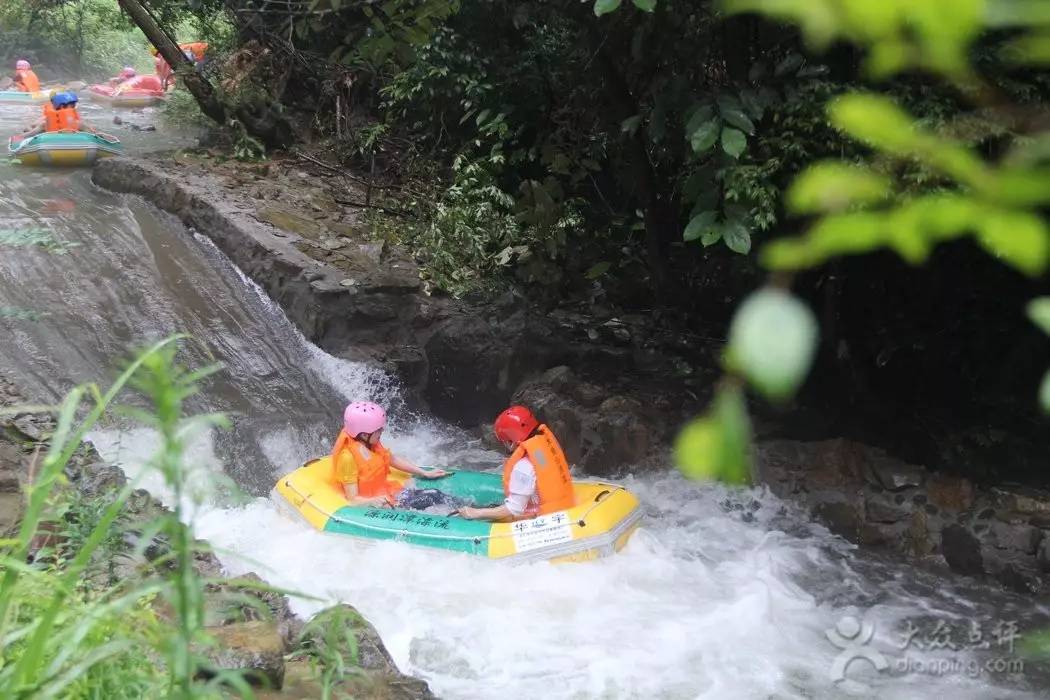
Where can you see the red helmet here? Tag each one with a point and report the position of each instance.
(515, 424)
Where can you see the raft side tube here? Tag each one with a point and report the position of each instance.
(599, 525)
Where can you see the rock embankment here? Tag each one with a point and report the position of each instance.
(360, 298)
(873, 499)
(252, 629)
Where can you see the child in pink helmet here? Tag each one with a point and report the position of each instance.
(362, 465)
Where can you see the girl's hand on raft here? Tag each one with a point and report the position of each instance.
(434, 474)
(468, 513)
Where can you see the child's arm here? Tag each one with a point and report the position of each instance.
(407, 466)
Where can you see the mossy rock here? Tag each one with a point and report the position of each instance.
(342, 642)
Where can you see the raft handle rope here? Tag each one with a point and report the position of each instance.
(475, 538)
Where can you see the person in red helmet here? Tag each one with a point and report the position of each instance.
(536, 478)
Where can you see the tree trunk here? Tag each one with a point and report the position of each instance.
(265, 123)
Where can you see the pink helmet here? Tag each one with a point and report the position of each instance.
(127, 72)
(363, 417)
(22, 64)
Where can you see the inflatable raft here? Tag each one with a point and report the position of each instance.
(127, 98)
(599, 525)
(63, 148)
(19, 97)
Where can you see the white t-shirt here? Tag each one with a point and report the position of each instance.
(522, 487)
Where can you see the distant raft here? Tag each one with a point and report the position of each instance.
(26, 98)
(599, 525)
(143, 91)
(64, 148)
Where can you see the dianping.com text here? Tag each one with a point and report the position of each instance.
(955, 666)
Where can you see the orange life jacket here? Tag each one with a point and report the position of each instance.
(26, 81)
(553, 481)
(373, 466)
(197, 48)
(65, 119)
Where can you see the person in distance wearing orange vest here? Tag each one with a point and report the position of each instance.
(126, 73)
(362, 466)
(197, 49)
(60, 114)
(536, 478)
(25, 78)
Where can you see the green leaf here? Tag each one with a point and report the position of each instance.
(728, 103)
(711, 236)
(645, 5)
(753, 103)
(1019, 238)
(879, 122)
(604, 7)
(772, 340)
(1039, 312)
(698, 449)
(733, 141)
(833, 186)
(738, 119)
(1044, 393)
(598, 269)
(699, 225)
(716, 446)
(737, 237)
(705, 136)
(630, 124)
(700, 114)
(875, 120)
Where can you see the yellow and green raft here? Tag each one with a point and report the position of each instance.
(599, 525)
(25, 98)
(64, 148)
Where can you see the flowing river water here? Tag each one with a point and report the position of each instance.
(721, 594)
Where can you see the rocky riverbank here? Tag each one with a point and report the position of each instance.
(615, 387)
(873, 499)
(252, 628)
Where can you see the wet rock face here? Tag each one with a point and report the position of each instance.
(474, 364)
(254, 648)
(377, 308)
(363, 299)
(869, 497)
(340, 638)
(601, 434)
